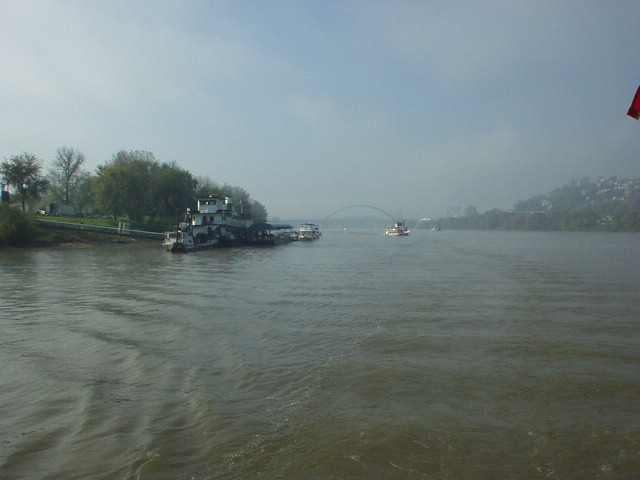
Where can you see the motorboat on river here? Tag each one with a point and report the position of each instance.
(399, 229)
(309, 231)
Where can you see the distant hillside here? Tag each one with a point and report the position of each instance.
(603, 204)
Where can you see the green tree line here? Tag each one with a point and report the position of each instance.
(603, 204)
(132, 185)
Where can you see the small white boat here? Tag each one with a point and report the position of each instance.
(399, 229)
(309, 231)
(179, 241)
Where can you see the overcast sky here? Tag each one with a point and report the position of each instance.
(311, 106)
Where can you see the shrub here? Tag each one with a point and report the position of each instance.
(16, 228)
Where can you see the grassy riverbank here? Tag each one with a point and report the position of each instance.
(58, 237)
(20, 230)
(52, 237)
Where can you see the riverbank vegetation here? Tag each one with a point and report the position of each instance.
(131, 186)
(603, 204)
(16, 228)
(19, 229)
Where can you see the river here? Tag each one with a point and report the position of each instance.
(441, 355)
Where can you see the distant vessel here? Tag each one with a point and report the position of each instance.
(309, 231)
(212, 224)
(398, 230)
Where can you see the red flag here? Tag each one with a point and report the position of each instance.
(634, 109)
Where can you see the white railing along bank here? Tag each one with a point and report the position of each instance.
(120, 230)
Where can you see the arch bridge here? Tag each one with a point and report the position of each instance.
(360, 206)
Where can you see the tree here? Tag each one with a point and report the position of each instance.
(66, 174)
(207, 188)
(242, 201)
(124, 184)
(16, 228)
(258, 211)
(83, 195)
(135, 184)
(107, 187)
(24, 173)
(172, 188)
(538, 203)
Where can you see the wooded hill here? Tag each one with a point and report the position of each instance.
(602, 204)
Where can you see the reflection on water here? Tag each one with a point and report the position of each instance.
(440, 355)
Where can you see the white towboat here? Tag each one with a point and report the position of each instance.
(309, 231)
(213, 224)
(399, 229)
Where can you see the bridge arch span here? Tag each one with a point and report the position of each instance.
(359, 206)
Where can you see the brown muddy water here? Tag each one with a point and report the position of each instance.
(442, 355)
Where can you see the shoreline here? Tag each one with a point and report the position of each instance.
(80, 241)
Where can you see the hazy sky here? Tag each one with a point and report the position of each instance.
(310, 106)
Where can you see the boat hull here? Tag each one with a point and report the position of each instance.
(187, 243)
(399, 229)
(309, 232)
